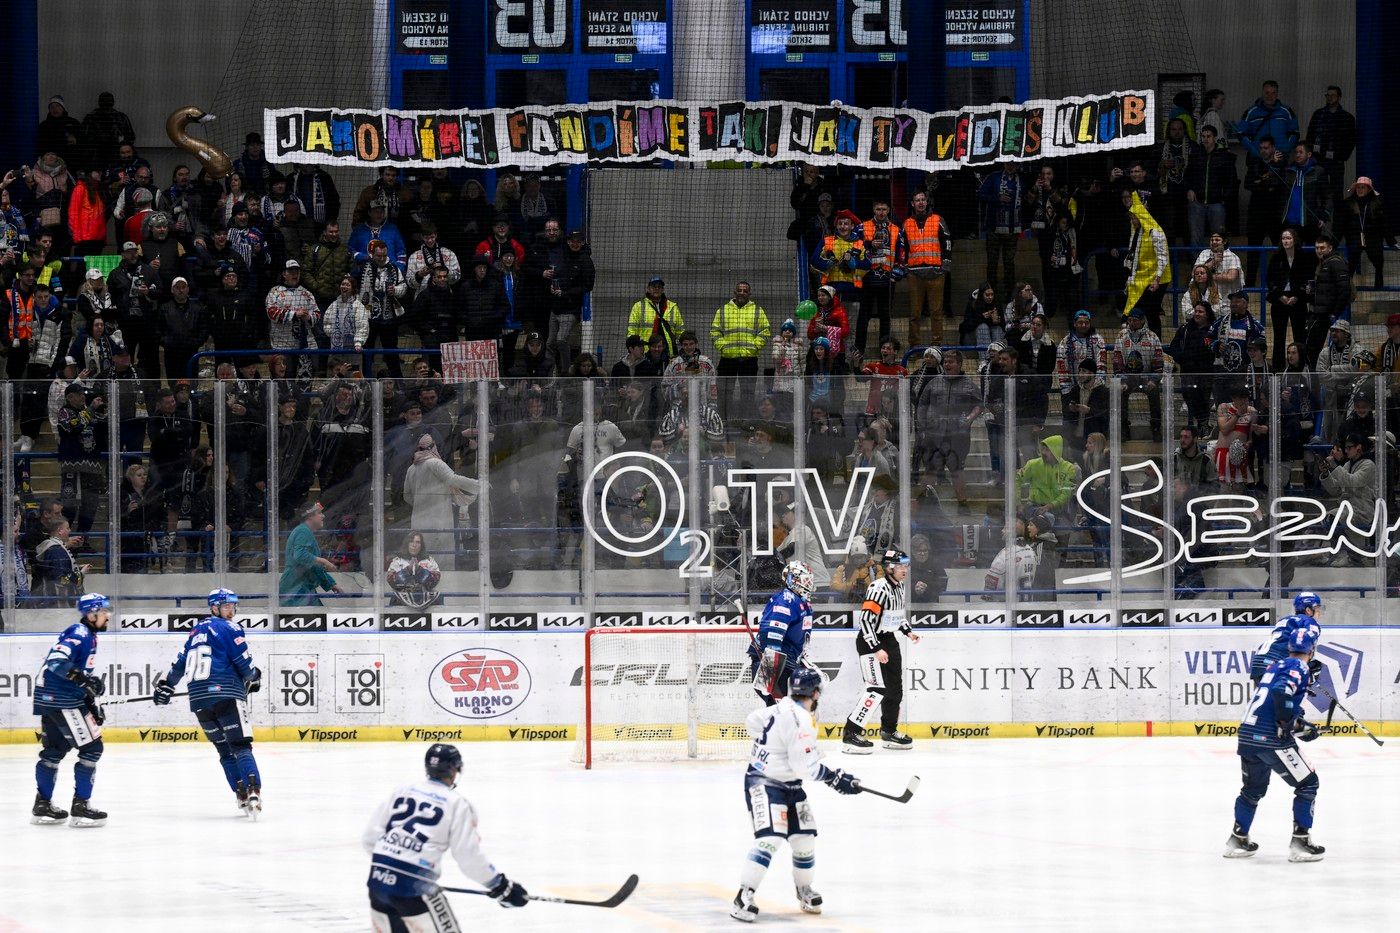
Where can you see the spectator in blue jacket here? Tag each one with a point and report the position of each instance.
(378, 227)
(1307, 206)
(1268, 117)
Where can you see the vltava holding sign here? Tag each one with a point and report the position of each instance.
(690, 131)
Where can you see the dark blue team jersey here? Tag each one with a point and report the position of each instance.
(785, 625)
(76, 649)
(1278, 700)
(214, 663)
(1276, 647)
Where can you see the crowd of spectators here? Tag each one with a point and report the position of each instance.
(257, 262)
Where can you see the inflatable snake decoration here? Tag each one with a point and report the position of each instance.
(216, 162)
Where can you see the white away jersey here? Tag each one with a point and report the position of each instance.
(784, 742)
(410, 833)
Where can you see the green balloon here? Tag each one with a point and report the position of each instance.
(806, 310)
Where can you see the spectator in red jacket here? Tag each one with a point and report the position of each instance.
(830, 321)
(499, 241)
(87, 215)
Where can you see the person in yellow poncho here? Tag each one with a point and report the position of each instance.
(1149, 265)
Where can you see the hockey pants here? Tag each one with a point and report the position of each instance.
(430, 913)
(1256, 766)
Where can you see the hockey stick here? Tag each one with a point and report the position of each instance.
(138, 699)
(744, 614)
(623, 893)
(1359, 724)
(902, 798)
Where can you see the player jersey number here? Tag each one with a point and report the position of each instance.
(1251, 716)
(197, 664)
(763, 736)
(412, 814)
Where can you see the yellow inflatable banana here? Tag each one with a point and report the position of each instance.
(216, 162)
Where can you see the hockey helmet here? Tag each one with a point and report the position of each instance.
(804, 682)
(443, 762)
(1302, 640)
(222, 596)
(92, 602)
(1306, 600)
(797, 576)
(895, 556)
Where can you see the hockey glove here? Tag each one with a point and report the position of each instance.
(507, 893)
(93, 685)
(1314, 669)
(162, 693)
(842, 782)
(1304, 731)
(95, 709)
(254, 682)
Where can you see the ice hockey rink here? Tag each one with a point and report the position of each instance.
(1003, 835)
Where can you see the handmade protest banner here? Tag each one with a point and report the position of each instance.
(621, 132)
(468, 360)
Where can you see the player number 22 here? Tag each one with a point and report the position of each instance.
(412, 814)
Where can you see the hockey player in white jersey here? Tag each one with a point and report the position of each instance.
(784, 753)
(883, 614)
(407, 838)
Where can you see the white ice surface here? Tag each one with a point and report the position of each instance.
(1004, 835)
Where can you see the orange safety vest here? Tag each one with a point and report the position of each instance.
(21, 315)
(835, 273)
(925, 243)
(881, 263)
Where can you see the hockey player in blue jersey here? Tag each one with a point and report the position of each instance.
(1307, 613)
(782, 634)
(1268, 742)
(784, 753)
(66, 702)
(220, 673)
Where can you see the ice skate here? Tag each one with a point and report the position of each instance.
(1302, 849)
(45, 813)
(896, 740)
(810, 901)
(252, 802)
(84, 816)
(853, 743)
(744, 907)
(1238, 845)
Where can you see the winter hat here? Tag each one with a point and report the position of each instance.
(831, 292)
(94, 275)
(1341, 324)
(1363, 180)
(789, 325)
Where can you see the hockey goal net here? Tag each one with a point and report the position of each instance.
(665, 694)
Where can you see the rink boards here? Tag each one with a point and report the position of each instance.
(527, 686)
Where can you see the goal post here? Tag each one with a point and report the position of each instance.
(665, 694)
